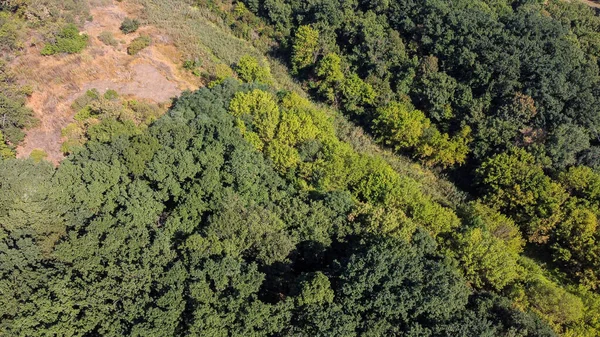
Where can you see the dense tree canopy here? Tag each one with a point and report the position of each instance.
(184, 228)
(248, 210)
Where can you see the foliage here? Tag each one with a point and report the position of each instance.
(108, 39)
(137, 44)
(518, 186)
(129, 26)
(14, 114)
(188, 230)
(249, 70)
(5, 151)
(399, 125)
(68, 40)
(488, 250)
(38, 155)
(305, 47)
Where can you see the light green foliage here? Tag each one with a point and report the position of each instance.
(38, 155)
(262, 110)
(576, 245)
(287, 133)
(438, 148)
(111, 95)
(356, 93)
(554, 303)
(582, 182)
(68, 40)
(488, 251)
(222, 72)
(399, 125)
(10, 32)
(315, 289)
(305, 48)
(330, 76)
(518, 186)
(283, 155)
(138, 44)
(249, 70)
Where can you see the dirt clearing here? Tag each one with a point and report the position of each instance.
(153, 74)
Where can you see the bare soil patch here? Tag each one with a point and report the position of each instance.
(152, 75)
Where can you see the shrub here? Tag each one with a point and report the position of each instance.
(108, 39)
(138, 44)
(85, 99)
(67, 41)
(111, 95)
(129, 26)
(249, 70)
(38, 155)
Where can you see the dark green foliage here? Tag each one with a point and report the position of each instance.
(506, 89)
(184, 229)
(389, 287)
(68, 40)
(129, 26)
(14, 114)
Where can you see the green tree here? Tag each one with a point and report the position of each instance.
(330, 76)
(517, 185)
(5, 151)
(305, 48)
(249, 70)
(399, 125)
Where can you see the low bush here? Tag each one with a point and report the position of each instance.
(68, 40)
(108, 39)
(38, 155)
(129, 26)
(138, 44)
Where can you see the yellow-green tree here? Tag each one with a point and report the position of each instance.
(260, 108)
(249, 70)
(399, 125)
(517, 185)
(305, 48)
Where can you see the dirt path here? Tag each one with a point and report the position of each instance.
(591, 3)
(153, 75)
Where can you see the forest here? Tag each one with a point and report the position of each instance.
(257, 208)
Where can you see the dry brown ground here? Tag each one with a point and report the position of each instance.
(153, 75)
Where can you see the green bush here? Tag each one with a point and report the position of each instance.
(67, 41)
(108, 39)
(250, 70)
(111, 95)
(129, 26)
(138, 44)
(38, 155)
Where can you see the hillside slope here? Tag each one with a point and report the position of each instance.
(154, 75)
